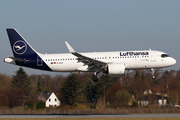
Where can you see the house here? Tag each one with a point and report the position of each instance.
(49, 98)
(156, 96)
(161, 101)
(145, 101)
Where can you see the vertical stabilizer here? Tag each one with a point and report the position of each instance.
(19, 45)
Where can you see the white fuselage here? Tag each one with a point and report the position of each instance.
(69, 63)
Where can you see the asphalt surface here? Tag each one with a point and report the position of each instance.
(95, 116)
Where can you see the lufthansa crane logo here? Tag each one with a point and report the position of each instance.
(19, 47)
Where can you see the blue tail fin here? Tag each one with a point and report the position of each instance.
(19, 45)
(24, 54)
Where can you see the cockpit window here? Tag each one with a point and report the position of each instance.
(164, 55)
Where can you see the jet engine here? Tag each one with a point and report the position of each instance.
(116, 70)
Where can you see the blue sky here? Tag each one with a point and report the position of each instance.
(91, 25)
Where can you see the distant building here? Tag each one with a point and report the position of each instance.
(160, 101)
(49, 98)
(157, 97)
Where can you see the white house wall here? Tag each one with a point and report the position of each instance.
(160, 102)
(52, 101)
(143, 103)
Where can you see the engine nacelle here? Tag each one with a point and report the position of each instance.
(116, 70)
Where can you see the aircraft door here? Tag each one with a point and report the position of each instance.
(153, 57)
(39, 61)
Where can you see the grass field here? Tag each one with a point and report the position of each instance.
(90, 118)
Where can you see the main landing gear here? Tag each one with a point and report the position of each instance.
(95, 77)
(153, 76)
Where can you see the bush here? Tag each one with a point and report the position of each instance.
(75, 105)
(40, 105)
(4, 100)
(93, 106)
(28, 105)
(123, 97)
(134, 104)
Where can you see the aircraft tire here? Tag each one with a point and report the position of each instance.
(94, 78)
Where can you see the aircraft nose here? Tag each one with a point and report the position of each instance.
(173, 61)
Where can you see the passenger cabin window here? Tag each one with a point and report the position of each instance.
(164, 55)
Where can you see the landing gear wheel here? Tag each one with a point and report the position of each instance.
(153, 76)
(94, 78)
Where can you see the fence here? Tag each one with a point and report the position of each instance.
(92, 111)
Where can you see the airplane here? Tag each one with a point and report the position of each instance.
(113, 64)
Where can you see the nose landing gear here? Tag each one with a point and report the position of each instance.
(152, 71)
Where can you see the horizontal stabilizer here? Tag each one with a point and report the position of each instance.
(13, 60)
(17, 59)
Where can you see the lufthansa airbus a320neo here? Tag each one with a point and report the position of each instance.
(113, 64)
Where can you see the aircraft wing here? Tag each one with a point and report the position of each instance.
(92, 63)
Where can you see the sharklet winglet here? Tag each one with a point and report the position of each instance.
(71, 50)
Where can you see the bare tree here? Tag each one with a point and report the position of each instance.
(123, 97)
(173, 97)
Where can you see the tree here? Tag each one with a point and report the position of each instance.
(137, 75)
(39, 86)
(28, 105)
(45, 83)
(174, 83)
(123, 97)
(3, 99)
(142, 77)
(138, 86)
(111, 94)
(55, 83)
(83, 78)
(14, 96)
(33, 100)
(103, 84)
(101, 87)
(48, 88)
(173, 97)
(70, 89)
(89, 90)
(21, 80)
(5, 81)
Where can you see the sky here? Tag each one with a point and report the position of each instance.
(90, 26)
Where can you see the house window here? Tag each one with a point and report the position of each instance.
(49, 99)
